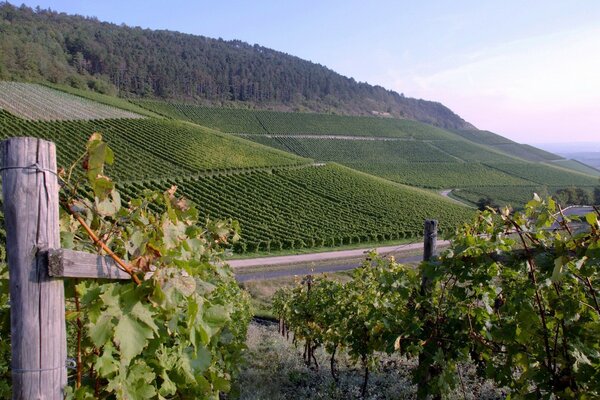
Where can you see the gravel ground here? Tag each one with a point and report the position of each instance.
(274, 370)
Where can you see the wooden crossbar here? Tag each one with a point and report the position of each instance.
(64, 263)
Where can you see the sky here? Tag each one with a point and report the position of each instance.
(528, 70)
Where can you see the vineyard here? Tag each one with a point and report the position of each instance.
(545, 174)
(152, 148)
(402, 151)
(272, 122)
(343, 151)
(514, 196)
(522, 309)
(105, 99)
(280, 200)
(576, 166)
(35, 102)
(311, 207)
(440, 175)
(507, 146)
(269, 183)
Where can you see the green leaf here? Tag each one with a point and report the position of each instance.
(168, 387)
(143, 314)
(106, 365)
(134, 244)
(216, 315)
(592, 219)
(173, 233)
(200, 360)
(131, 337)
(101, 331)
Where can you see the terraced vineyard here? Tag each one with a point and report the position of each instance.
(288, 205)
(35, 102)
(282, 199)
(545, 175)
(313, 206)
(406, 152)
(440, 175)
(272, 122)
(151, 148)
(116, 102)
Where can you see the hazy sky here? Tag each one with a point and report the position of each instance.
(529, 70)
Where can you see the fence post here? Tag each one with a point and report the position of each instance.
(38, 338)
(427, 372)
(430, 239)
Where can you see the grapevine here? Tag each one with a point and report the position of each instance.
(178, 329)
(516, 294)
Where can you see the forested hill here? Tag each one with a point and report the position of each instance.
(84, 52)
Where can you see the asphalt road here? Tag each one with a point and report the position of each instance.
(330, 255)
(307, 269)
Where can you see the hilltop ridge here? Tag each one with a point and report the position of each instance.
(86, 53)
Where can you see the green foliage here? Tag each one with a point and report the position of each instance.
(573, 196)
(151, 148)
(233, 120)
(313, 206)
(545, 174)
(516, 294)
(179, 334)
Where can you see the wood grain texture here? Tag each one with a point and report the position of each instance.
(78, 264)
(38, 337)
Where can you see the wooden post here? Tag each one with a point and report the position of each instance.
(430, 239)
(426, 370)
(38, 338)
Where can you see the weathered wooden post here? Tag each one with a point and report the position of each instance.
(38, 338)
(427, 371)
(430, 239)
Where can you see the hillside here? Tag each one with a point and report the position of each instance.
(86, 53)
(408, 152)
(282, 201)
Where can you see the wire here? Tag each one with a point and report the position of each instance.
(36, 167)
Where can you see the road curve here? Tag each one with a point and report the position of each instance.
(330, 255)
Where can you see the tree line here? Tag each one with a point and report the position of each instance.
(86, 53)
